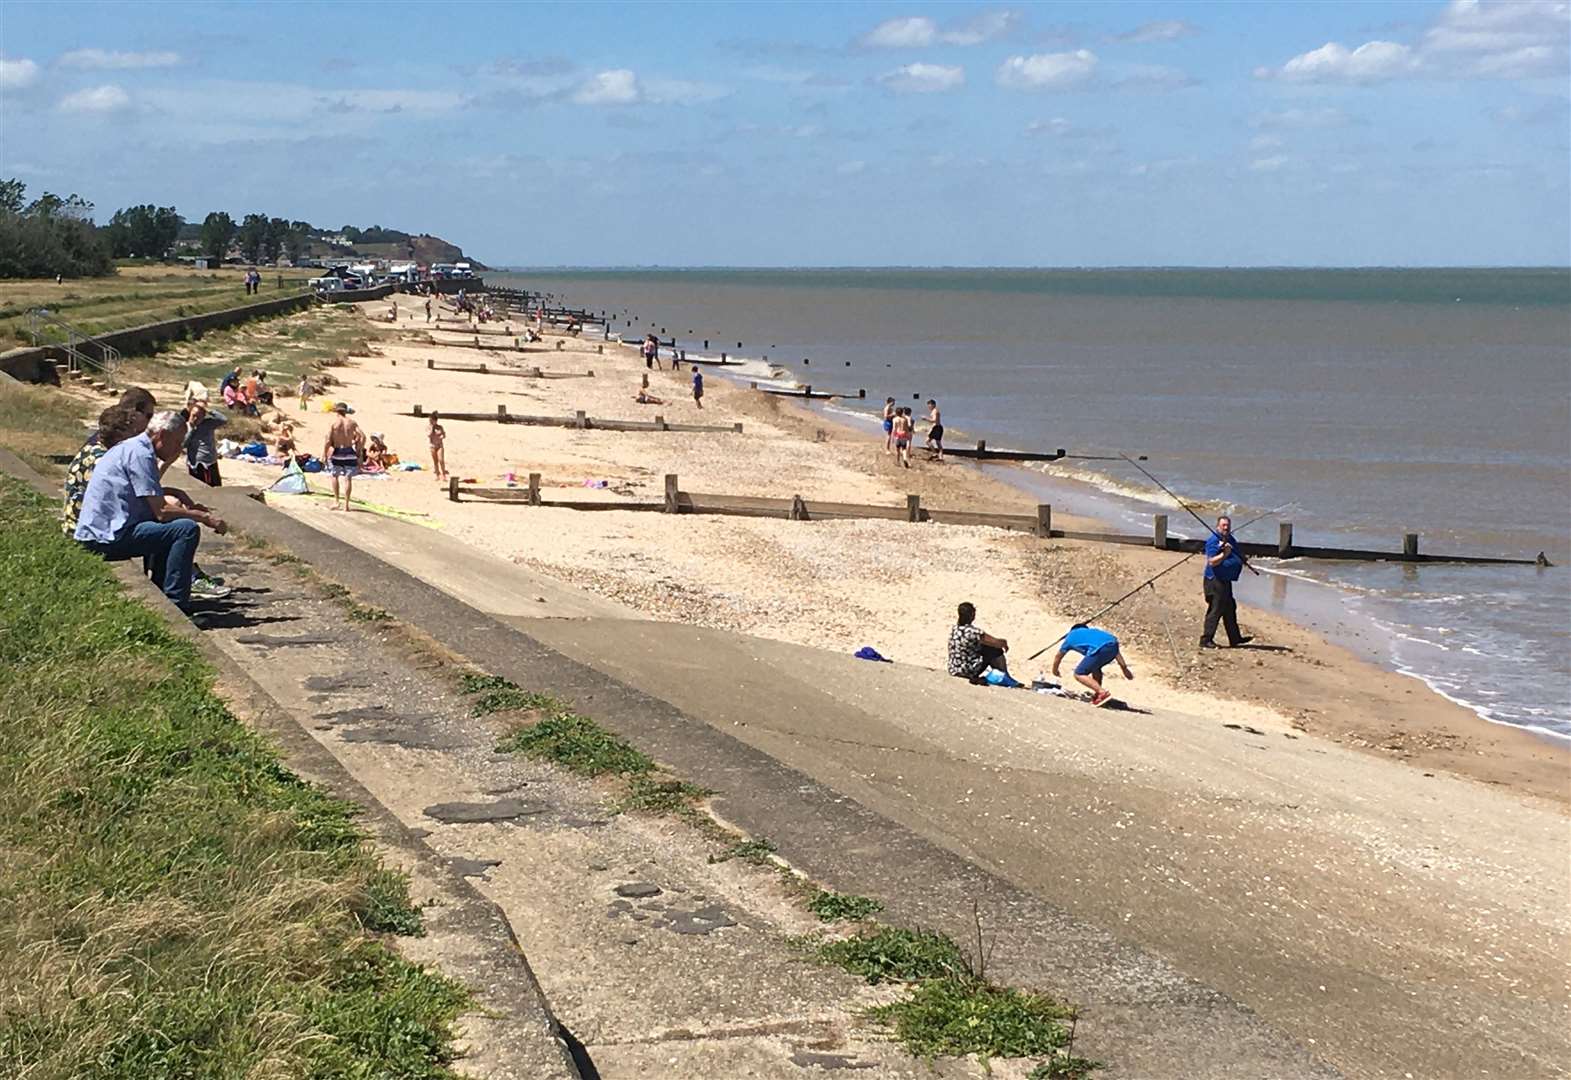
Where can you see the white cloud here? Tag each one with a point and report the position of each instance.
(620, 86)
(100, 60)
(918, 31)
(680, 92)
(1266, 142)
(1056, 126)
(851, 168)
(393, 101)
(97, 99)
(17, 74)
(1371, 62)
(1158, 30)
(1301, 119)
(1047, 71)
(1274, 163)
(1479, 39)
(616, 87)
(1156, 77)
(923, 78)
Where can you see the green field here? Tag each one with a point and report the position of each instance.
(133, 296)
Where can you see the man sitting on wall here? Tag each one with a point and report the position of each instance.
(125, 511)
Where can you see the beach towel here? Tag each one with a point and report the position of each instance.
(867, 652)
(256, 450)
(994, 677)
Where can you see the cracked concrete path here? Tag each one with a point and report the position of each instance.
(656, 961)
(1349, 901)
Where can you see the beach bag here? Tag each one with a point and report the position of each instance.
(994, 677)
(291, 483)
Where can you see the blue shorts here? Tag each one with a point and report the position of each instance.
(889, 425)
(1097, 659)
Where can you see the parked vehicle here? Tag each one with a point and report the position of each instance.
(327, 284)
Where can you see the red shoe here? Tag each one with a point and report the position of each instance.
(1101, 699)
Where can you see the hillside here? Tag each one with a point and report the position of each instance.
(424, 248)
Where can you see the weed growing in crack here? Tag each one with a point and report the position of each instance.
(660, 795)
(578, 744)
(961, 1015)
(842, 907)
(896, 954)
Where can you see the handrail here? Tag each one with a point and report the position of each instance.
(107, 360)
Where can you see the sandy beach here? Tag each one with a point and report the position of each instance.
(842, 585)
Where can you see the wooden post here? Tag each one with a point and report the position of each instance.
(580, 420)
(807, 391)
(1284, 539)
(737, 428)
(430, 365)
(671, 504)
(418, 412)
(913, 508)
(860, 393)
(452, 488)
(798, 509)
(1410, 545)
(534, 489)
(660, 423)
(752, 386)
(483, 370)
(599, 350)
(1159, 532)
(1044, 520)
(981, 446)
(501, 412)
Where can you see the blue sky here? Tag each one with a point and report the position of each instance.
(821, 134)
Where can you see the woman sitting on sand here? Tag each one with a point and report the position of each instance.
(644, 397)
(376, 454)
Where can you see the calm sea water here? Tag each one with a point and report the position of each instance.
(1377, 402)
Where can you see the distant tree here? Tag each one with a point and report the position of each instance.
(147, 230)
(295, 239)
(218, 228)
(350, 233)
(12, 193)
(50, 236)
(277, 233)
(253, 237)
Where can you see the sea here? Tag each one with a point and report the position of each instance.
(1357, 404)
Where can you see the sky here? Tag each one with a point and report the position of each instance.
(839, 134)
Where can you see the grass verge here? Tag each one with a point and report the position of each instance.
(173, 901)
(37, 421)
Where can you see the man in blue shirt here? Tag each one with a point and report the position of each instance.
(1223, 565)
(698, 387)
(1097, 649)
(126, 513)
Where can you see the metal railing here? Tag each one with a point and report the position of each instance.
(82, 350)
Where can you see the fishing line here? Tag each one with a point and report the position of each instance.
(1148, 581)
(1191, 510)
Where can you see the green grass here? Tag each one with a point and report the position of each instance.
(37, 421)
(660, 795)
(173, 901)
(1064, 1064)
(842, 907)
(494, 694)
(579, 745)
(896, 954)
(959, 1016)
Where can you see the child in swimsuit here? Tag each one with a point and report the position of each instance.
(902, 434)
(889, 424)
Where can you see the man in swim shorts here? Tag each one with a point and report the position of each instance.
(935, 434)
(1097, 649)
(344, 446)
(889, 425)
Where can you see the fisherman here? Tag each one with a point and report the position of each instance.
(1223, 565)
(1097, 649)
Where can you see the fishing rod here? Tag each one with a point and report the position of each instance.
(1148, 582)
(1191, 510)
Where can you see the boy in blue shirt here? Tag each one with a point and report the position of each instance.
(1097, 649)
(698, 388)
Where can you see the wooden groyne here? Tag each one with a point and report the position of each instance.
(517, 373)
(1040, 523)
(581, 421)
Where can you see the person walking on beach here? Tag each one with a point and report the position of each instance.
(972, 651)
(437, 436)
(698, 388)
(344, 444)
(902, 435)
(1223, 565)
(935, 434)
(889, 425)
(427, 309)
(1097, 649)
(304, 391)
(651, 351)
